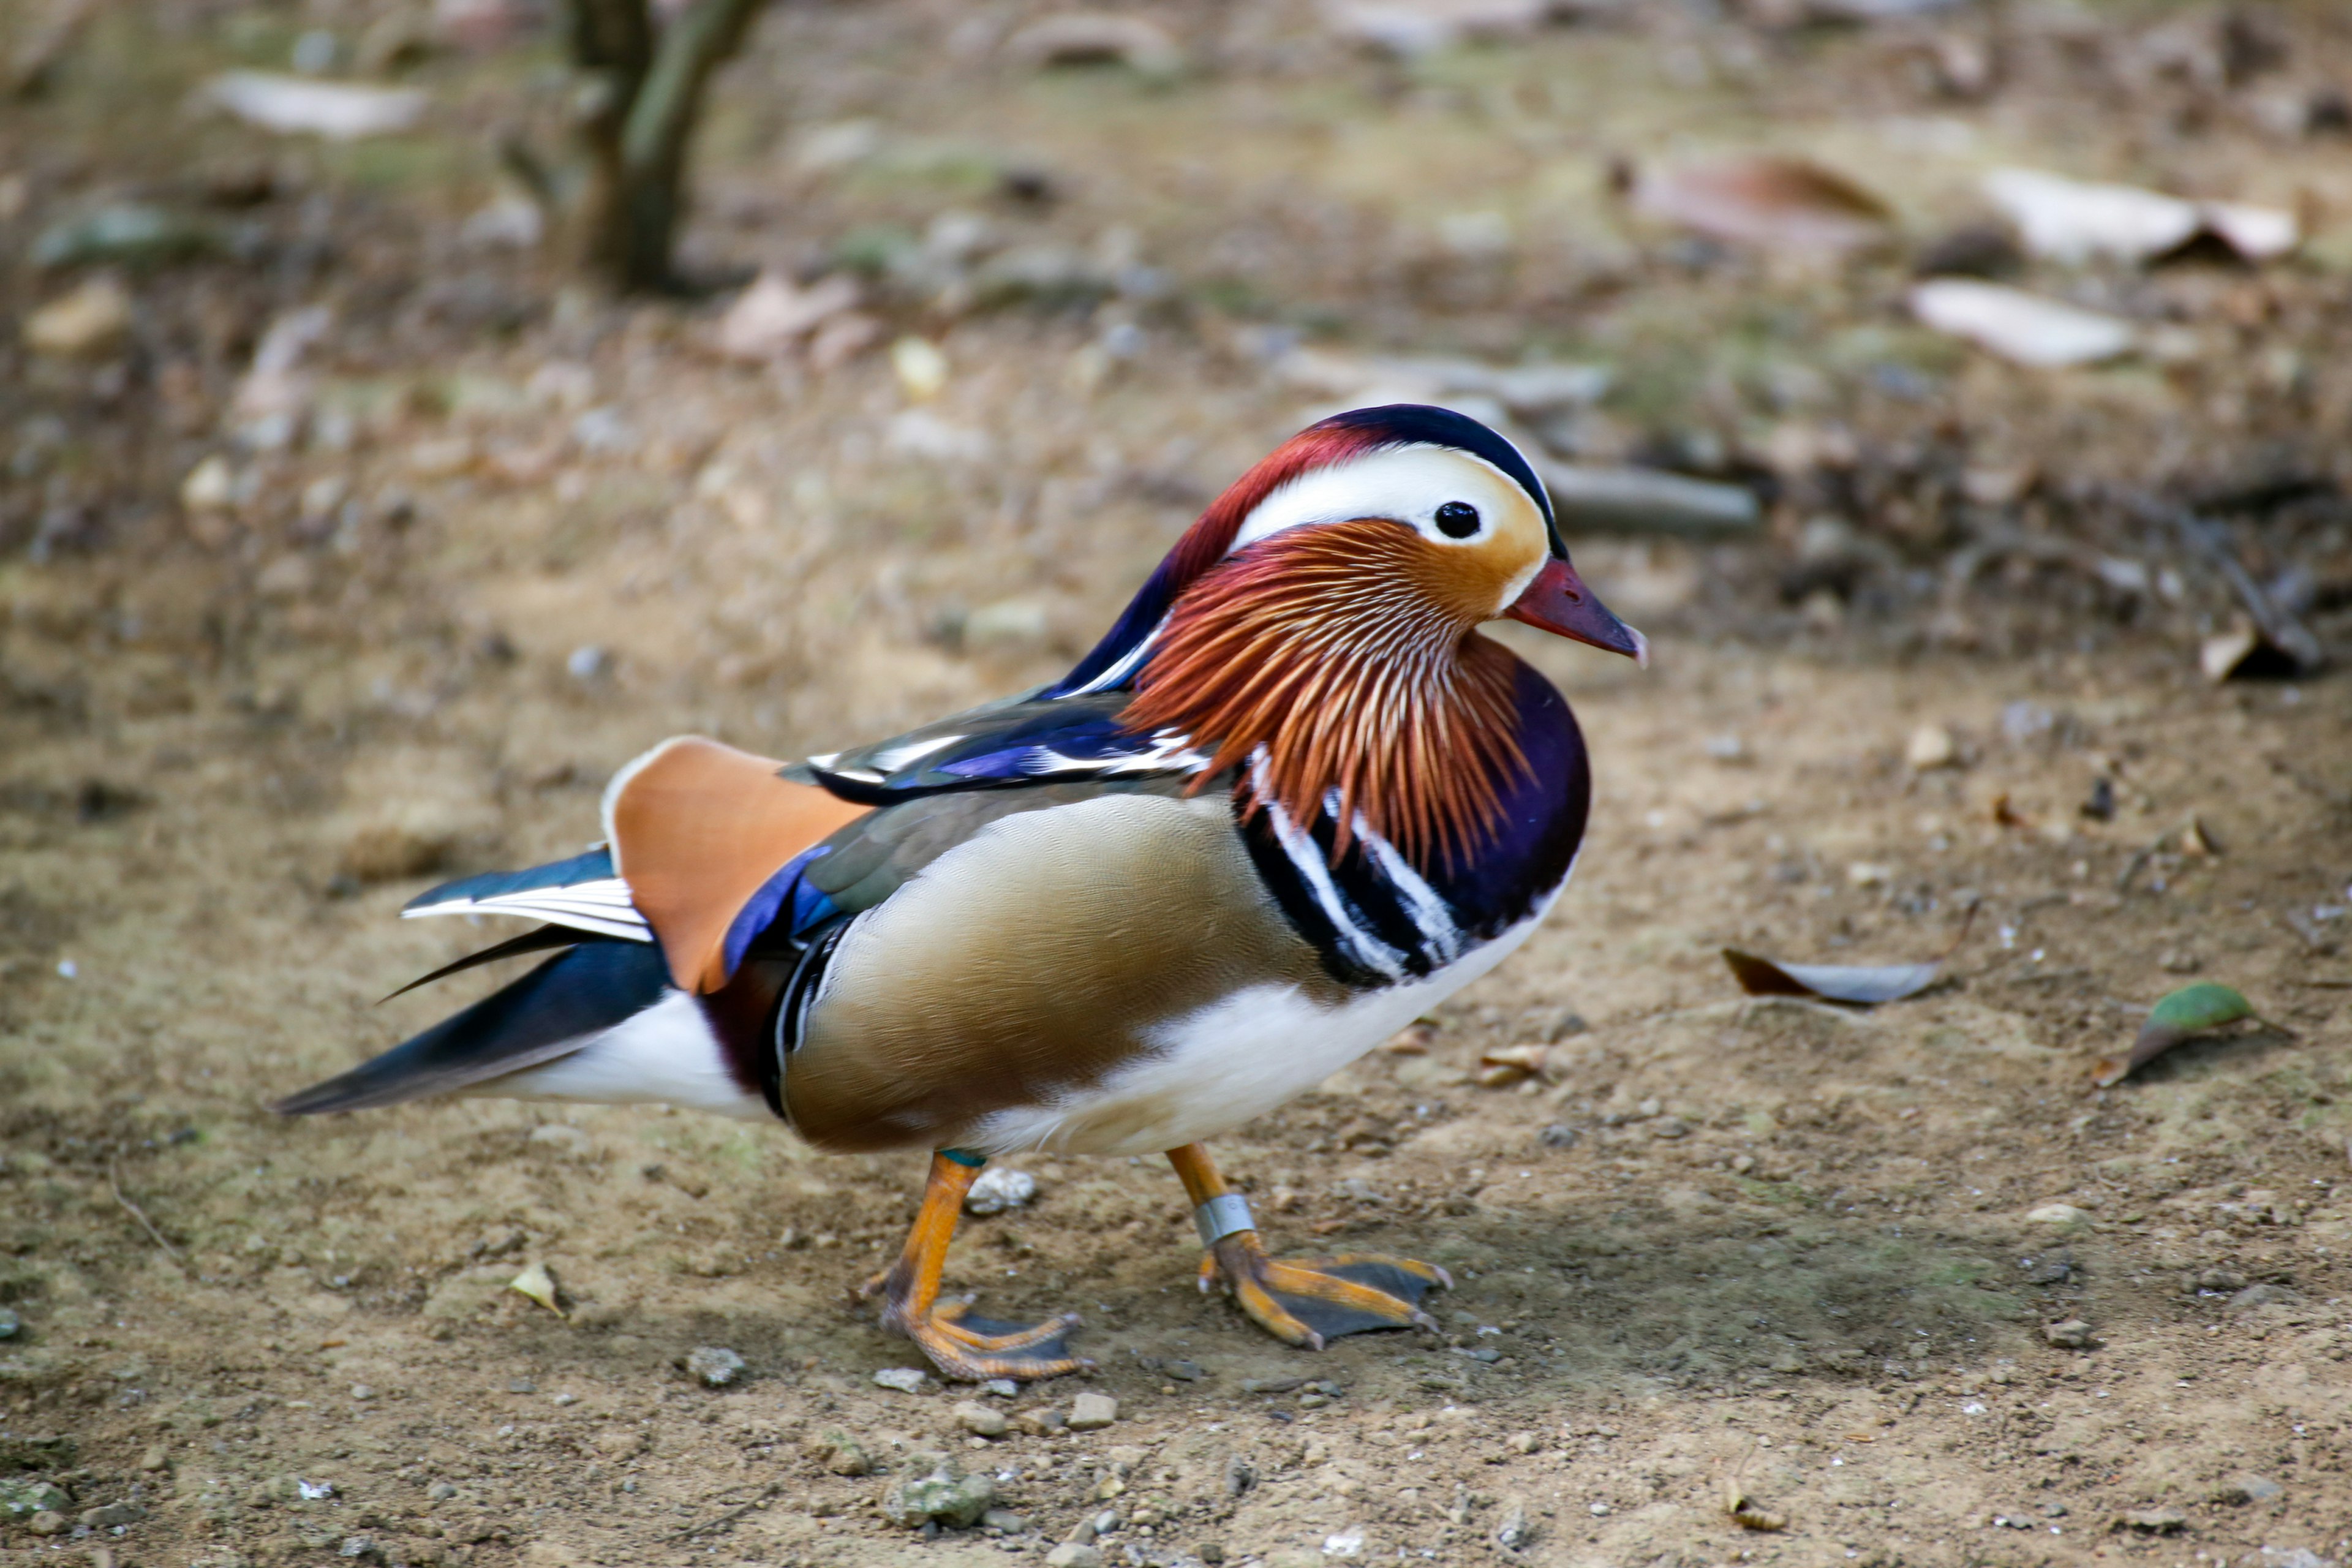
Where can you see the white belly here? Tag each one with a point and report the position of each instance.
(1230, 1062)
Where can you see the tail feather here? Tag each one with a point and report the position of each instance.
(557, 1008)
(538, 940)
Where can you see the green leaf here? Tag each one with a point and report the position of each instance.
(2193, 1009)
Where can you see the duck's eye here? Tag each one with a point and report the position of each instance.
(1458, 519)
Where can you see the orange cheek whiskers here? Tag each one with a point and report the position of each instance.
(1340, 655)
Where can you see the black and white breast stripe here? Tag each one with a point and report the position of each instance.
(1375, 921)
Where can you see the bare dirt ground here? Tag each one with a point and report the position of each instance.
(518, 533)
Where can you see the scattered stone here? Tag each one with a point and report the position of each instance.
(1000, 1187)
(1092, 1412)
(714, 1366)
(11, 1325)
(1000, 1387)
(363, 1391)
(2152, 1521)
(440, 1491)
(521, 1385)
(2058, 1215)
(1041, 1423)
(2245, 1489)
(154, 1459)
(981, 1420)
(1005, 1521)
(2254, 1296)
(356, 1546)
(1515, 1530)
(2074, 1334)
(936, 1491)
(838, 1452)
(48, 1522)
(2290, 1557)
(24, 1495)
(587, 662)
(112, 1514)
(905, 1379)
(1931, 747)
(210, 486)
(91, 321)
(1073, 1554)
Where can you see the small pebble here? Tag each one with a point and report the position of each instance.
(999, 1188)
(521, 1385)
(10, 1324)
(980, 1420)
(1071, 1554)
(905, 1379)
(46, 1522)
(1091, 1412)
(154, 1459)
(567, 1399)
(440, 1491)
(356, 1546)
(714, 1366)
(1560, 1135)
(2058, 1215)
(1000, 1387)
(363, 1391)
(2074, 1334)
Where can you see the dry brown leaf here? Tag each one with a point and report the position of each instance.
(1777, 203)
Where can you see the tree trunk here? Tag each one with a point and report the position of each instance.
(643, 92)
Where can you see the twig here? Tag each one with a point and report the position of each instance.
(1643, 500)
(2281, 630)
(767, 1493)
(141, 1215)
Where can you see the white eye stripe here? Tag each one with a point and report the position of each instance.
(1405, 483)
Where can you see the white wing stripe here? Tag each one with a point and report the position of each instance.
(1429, 910)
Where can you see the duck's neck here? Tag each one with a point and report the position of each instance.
(1318, 665)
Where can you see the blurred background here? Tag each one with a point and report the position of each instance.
(1960, 305)
(412, 409)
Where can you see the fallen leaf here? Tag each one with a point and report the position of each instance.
(1864, 984)
(2243, 653)
(1777, 203)
(2075, 220)
(2017, 326)
(539, 1284)
(1097, 37)
(2188, 1011)
(768, 320)
(2198, 839)
(1743, 1509)
(340, 111)
(1507, 1065)
(1414, 27)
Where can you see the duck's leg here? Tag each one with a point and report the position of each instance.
(958, 1343)
(1303, 1301)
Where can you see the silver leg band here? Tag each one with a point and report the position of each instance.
(1223, 1216)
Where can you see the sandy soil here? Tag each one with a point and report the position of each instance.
(1805, 1252)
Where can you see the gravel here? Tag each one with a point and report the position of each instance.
(999, 1188)
(905, 1379)
(1092, 1412)
(936, 1491)
(981, 1420)
(1071, 1554)
(714, 1366)
(2074, 1334)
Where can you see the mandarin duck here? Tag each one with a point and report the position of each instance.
(1291, 801)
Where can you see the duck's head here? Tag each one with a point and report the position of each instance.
(1320, 618)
